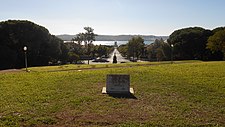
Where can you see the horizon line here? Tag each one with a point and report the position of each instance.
(119, 35)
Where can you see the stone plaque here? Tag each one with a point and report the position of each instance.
(117, 83)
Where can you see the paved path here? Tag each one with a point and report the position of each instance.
(119, 57)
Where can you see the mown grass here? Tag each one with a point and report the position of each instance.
(185, 94)
(69, 67)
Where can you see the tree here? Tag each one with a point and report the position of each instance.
(218, 29)
(42, 46)
(159, 50)
(216, 42)
(79, 38)
(190, 43)
(73, 57)
(64, 53)
(135, 47)
(123, 49)
(88, 37)
(101, 50)
(76, 48)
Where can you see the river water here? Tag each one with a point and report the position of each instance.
(118, 42)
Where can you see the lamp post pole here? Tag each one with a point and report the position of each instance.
(171, 53)
(25, 54)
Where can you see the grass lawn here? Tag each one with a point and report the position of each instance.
(184, 94)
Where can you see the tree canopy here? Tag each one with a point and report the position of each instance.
(88, 37)
(190, 43)
(42, 46)
(135, 47)
(159, 50)
(216, 42)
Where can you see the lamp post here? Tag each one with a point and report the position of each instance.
(171, 53)
(25, 54)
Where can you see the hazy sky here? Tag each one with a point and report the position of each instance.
(149, 17)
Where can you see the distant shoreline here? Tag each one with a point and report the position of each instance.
(66, 37)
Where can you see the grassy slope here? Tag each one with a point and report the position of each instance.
(178, 94)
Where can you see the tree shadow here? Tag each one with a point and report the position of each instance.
(122, 95)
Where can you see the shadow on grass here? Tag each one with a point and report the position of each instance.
(122, 95)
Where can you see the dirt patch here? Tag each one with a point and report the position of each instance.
(108, 118)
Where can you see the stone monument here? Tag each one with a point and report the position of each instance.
(118, 83)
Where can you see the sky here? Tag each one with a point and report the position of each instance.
(116, 17)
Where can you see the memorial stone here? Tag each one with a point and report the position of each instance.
(117, 83)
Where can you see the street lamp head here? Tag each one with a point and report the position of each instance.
(171, 45)
(25, 48)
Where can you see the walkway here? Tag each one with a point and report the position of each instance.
(119, 57)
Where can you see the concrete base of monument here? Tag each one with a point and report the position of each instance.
(119, 92)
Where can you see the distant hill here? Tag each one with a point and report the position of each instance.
(67, 37)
